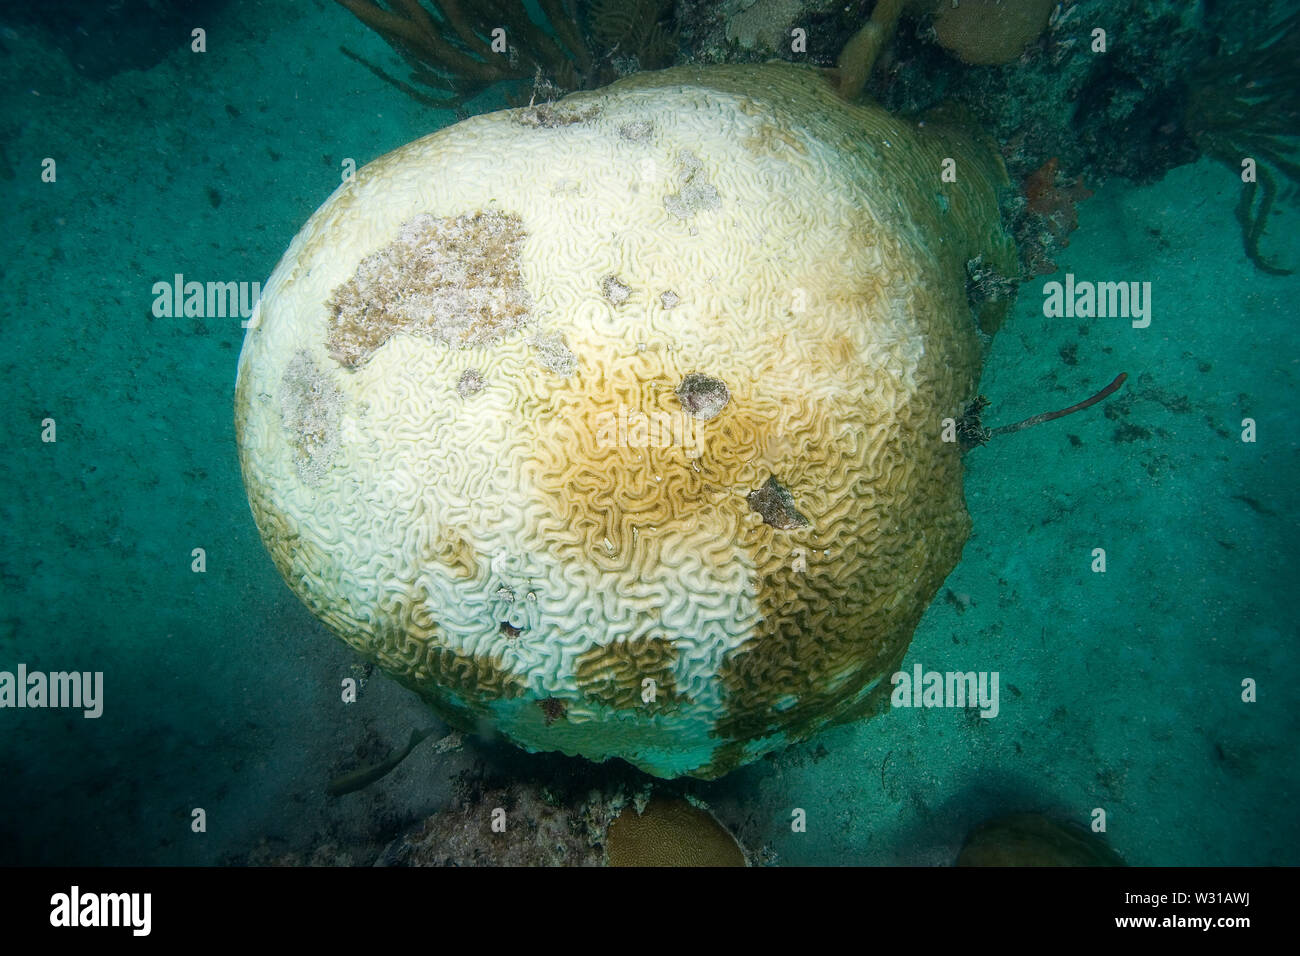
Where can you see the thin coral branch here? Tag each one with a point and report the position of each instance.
(414, 33)
(1254, 218)
(464, 27)
(1247, 105)
(565, 23)
(449, 44)
(1050, 416)
(533, 43)
(419, 96)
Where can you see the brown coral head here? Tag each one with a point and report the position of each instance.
(990, 32)
(1032, 839)
(671, 832)
(552, 709)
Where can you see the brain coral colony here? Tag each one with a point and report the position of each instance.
(613, 423)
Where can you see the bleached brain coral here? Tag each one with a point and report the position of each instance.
(615, 424)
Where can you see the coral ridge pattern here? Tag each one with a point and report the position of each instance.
(794, 265)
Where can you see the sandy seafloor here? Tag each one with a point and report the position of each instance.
(222, 691)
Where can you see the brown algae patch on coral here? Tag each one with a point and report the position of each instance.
(703, 396)
(310, 409)
(553, 709)
(776, 505)
(455, 280)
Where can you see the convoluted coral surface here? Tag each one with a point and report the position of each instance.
(696, 498)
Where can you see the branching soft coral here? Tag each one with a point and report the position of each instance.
(450, 49)
(1247, 106)
(454, 47)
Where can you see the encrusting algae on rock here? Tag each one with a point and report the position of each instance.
(598, 828)
(686, 519)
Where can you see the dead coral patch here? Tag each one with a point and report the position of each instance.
(310, 410)
(532, 829)
(554, 354)
(470, 382)
(551, 116)
(454, 280)
(696, 194)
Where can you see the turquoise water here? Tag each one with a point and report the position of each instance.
(1120, 691)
